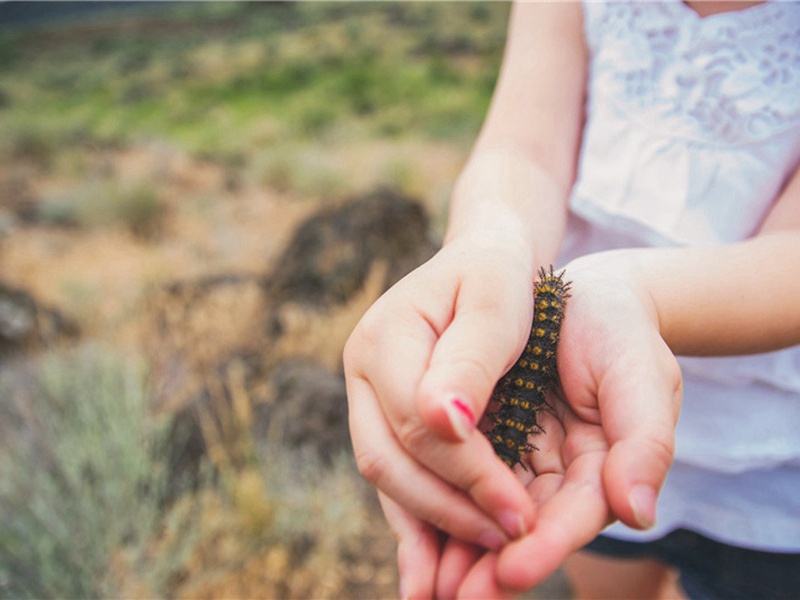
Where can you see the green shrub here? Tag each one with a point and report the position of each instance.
(81, 481)
(107, 202)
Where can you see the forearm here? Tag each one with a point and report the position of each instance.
(516, 182)
(737, 299)
(741, 298)
(503, 196)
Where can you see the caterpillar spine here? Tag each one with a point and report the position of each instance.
(521, 394)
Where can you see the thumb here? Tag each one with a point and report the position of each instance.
(634, 473)
(486, 335)
(642, 448)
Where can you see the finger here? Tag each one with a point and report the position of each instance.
(457, 560)
(388, 467)
(417, 551)
(571, 518)
(639, 412)
(544, 487)
(548, 456)
(481, 581)
(490, 324)
(471, 466)
(474, 468)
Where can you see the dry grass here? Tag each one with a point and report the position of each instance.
(137, 155)
(81, 477)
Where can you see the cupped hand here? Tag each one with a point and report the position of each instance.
(420, 368)
(609, 439)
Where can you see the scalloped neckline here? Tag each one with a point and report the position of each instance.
(723, 14)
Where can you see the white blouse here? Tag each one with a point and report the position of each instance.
(693, 128)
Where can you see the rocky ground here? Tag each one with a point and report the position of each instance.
(231, 278)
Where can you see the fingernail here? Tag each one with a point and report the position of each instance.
(461, 418)
(492, 540)
(513, 523)
(643, 503)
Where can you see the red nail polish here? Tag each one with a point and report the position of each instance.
(461, 418)
(465, 410)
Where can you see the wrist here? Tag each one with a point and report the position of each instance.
(502, 193)
(496, 245)
(623, 273)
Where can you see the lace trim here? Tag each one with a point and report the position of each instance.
(731, 78)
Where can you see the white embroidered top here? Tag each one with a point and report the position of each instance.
(693, 127)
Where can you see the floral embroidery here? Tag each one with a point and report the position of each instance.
(733, 78)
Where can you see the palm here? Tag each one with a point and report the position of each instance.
(619, 386)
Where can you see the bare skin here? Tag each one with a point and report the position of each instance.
(421, 365)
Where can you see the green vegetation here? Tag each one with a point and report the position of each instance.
(272, 72)
(104, 202)
(89, 509)
(81, 480)
(298, 97)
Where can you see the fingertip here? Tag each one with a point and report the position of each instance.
(516, 523)
(417, 561)
(634, 474)
(449, 416)
(513, 573)
(522, 565)
(460, 417)
(481, 581)
(458, 558)
(642, 500)
(439, 421)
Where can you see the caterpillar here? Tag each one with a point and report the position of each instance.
(520, 394)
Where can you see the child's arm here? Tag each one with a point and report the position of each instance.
(511, 198)
(630, 309)
(421, 364)
(738, 299)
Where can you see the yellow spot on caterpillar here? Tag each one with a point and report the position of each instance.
(521, 393)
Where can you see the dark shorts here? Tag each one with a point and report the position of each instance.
(713, 570)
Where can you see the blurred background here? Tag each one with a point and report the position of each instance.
(197, 203)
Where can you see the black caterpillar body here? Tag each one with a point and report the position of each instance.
(521, 393)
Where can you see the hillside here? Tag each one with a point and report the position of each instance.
(197, 203)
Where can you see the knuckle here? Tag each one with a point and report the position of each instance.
(362, 339)
(476, 371)
(662, 449)
(673, 381)
(351, 353)
(676, 377)
(571, 449)
(372, 466)
(472, 481)
(413, 435)
(441, 521)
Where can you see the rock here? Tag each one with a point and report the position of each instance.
(215, 422)
(17, 315)
(308, 410)
(330, 255)
(25, 323)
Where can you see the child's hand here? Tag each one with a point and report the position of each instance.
(608, 443)
(420, 368)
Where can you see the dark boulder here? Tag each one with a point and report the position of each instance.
(330, 255)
